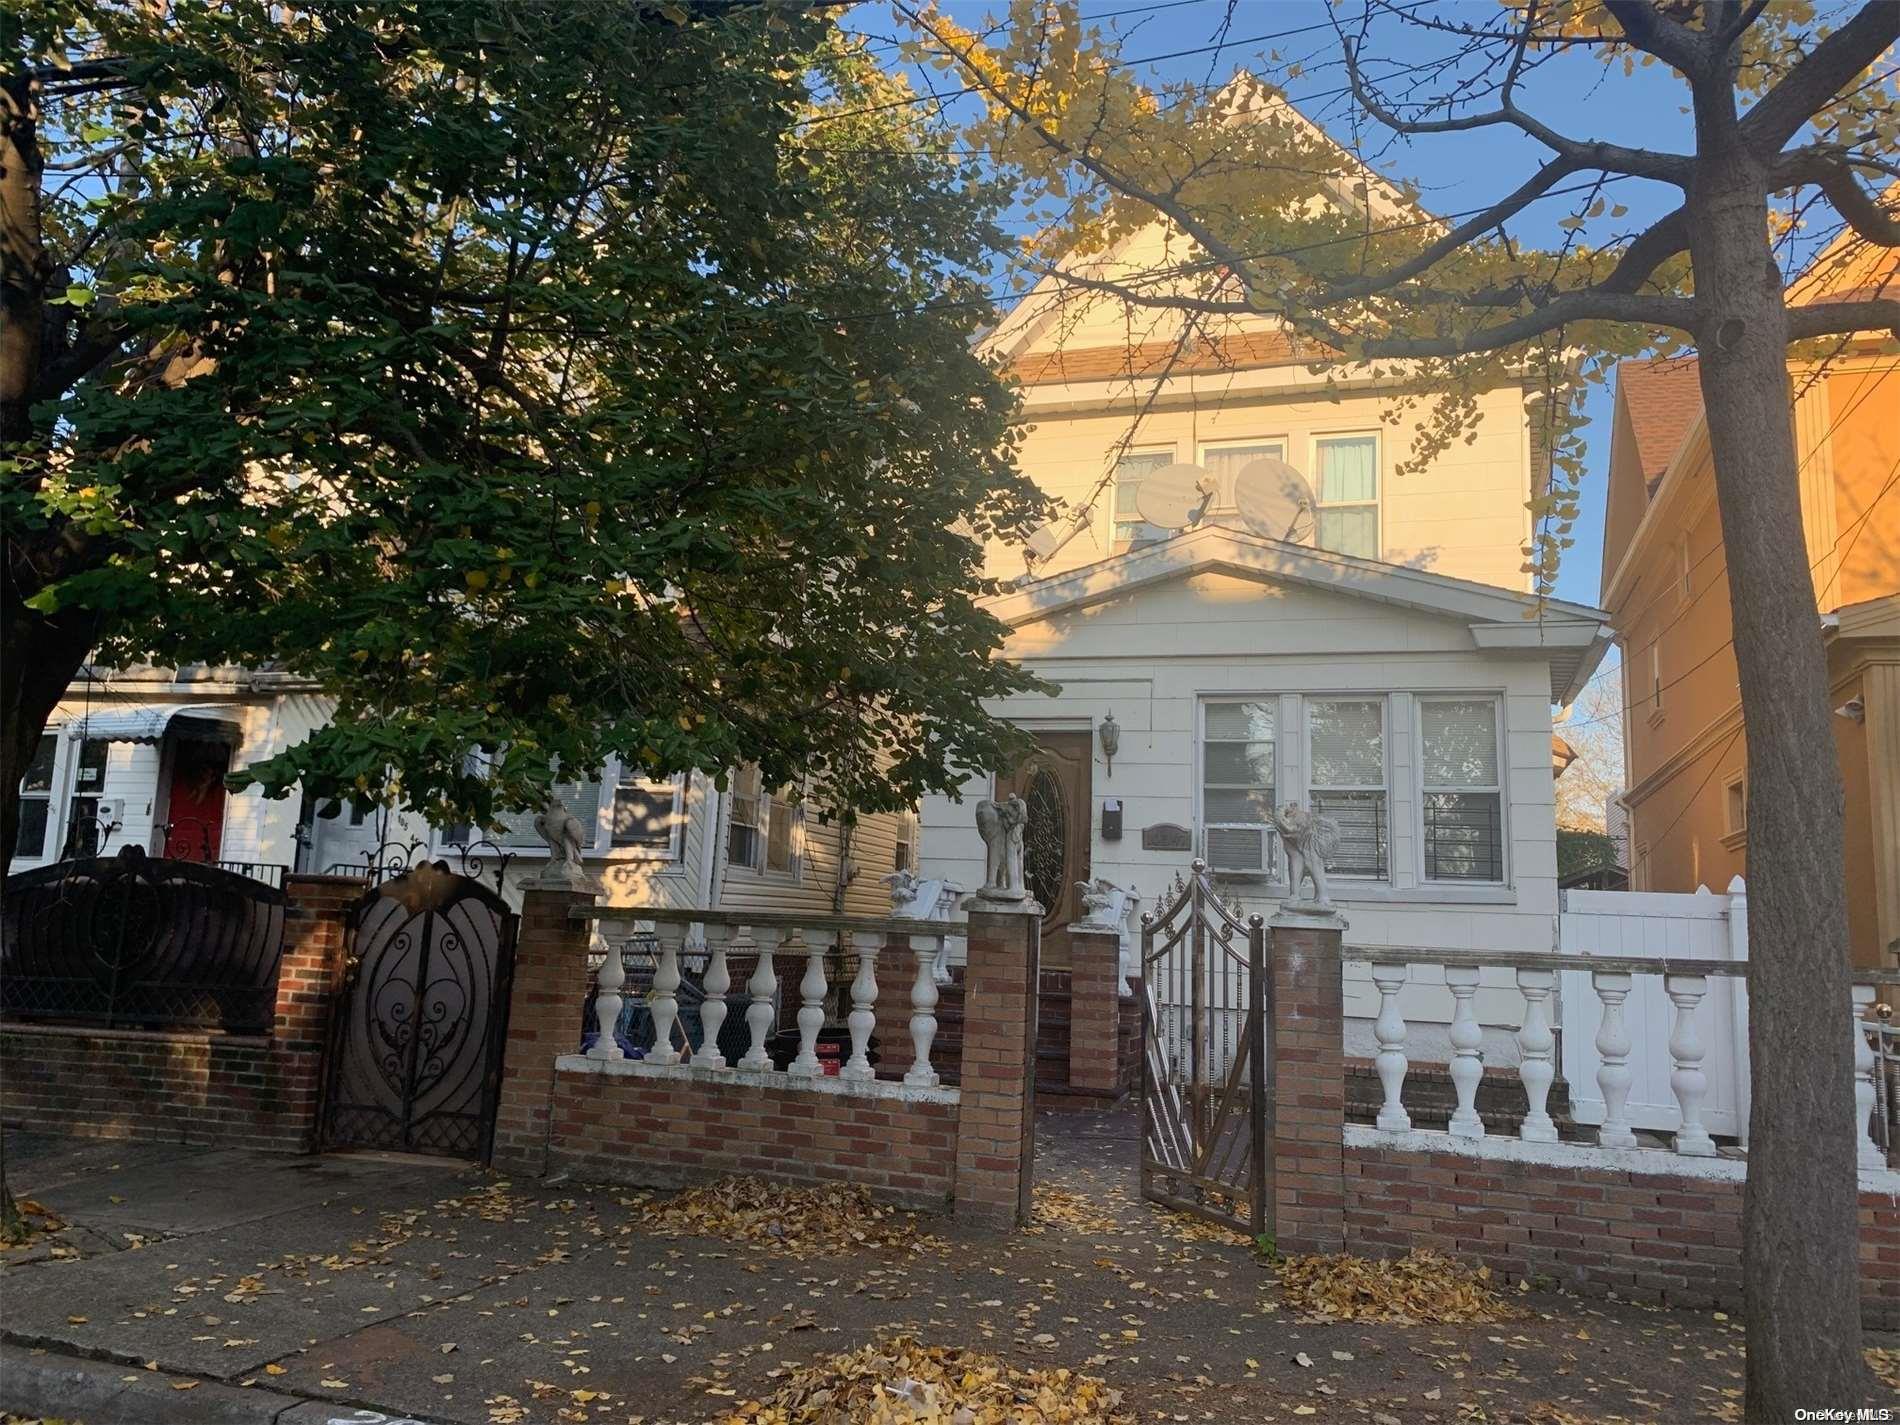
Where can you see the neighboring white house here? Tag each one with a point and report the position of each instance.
(136, 757)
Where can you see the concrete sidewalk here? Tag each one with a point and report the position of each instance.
(291, 1287)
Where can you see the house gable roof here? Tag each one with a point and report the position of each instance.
(1663, 398)
(1570, 637)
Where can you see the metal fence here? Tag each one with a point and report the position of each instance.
(134, 941)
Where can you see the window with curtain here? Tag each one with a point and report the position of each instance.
(1345, 758)
(904, 853)
(1346, 487)
(745, 834)
(1131, 530)
(516, 830)
(785, 816)
(1463, 794)
(1237, 784)
(36, 800)
(1224, 462)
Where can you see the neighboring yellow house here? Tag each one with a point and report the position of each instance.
(1665, 584)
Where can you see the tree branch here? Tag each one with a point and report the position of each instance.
(1661, 241)
(1586, 305)
(1674, 168)
(1815, 80)
(1653, 32)
(1832, 175)
(1843, 318)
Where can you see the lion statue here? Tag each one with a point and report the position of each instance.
(1309, 840)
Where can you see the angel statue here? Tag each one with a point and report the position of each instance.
(564, 834)
(1310, 841)
(1001, 824)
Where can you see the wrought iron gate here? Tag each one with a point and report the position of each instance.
(1206, 1070)
(415, 1063)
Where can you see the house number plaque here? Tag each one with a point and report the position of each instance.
(1166, 836)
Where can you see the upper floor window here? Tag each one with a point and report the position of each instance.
(1346, 486)
(1735, 805)
(765, 829)
(904, 853)
(36, 800)
(1462, 788)
(1238, 741)
(1345, 758)
(1224, 462)
(1131, 530)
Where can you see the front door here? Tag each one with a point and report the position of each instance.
(1054, 781)
(194, 822)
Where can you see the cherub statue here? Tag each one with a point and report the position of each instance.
(565, 836)
(1310, 841)
(1001, 824)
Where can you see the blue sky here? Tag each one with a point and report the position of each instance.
(1457, 172)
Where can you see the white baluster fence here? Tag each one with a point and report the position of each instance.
(815, 974)
(1621, 1057)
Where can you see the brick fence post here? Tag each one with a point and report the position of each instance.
(544, 1022)
(1094, 1009)
(1309, 1083)
(310, 974)
(996, 1119)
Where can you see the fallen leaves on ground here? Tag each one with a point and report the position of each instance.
(1059, 1207)
(795, 1221)
(903, 1382)
(1184, 1227)
(36, 1221)
(1886, 1365)
(1421, 1286)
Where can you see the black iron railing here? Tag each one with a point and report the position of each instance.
(134, 941)
(480, 860)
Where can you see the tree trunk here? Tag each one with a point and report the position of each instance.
(1800, 1252)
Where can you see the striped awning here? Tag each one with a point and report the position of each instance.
(149, 722)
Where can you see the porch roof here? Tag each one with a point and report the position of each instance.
(149, 722)
(1571, 637)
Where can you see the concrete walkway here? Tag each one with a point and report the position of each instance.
(298, 1290)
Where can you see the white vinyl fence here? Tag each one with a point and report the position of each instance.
(1702, 926)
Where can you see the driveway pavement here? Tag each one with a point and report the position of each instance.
(211, 1286)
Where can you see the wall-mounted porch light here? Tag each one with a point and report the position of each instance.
(1111, 735)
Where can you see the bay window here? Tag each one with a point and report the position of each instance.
(1462, 789)
(1345, 758)
(1238, 781)
(1346, 487)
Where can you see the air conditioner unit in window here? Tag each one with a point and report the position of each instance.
(1240, 850)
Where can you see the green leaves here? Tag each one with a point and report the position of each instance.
(531, 388)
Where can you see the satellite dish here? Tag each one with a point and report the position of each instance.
(1173, 496)
(1274, 500)
(1043, 543)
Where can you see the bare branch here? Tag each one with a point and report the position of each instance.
(1840, 318)
(1832, 175)
(1535, 187)
(1653, 32)
(1586, 305)
(1661, 241)
(1814, 82)
(1673, 168)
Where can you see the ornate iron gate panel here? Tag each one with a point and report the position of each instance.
(1205, 1067)
(415, 1064)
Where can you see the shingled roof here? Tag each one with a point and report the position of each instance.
(1663, 397)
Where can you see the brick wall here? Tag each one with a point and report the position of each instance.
(1306, 1051)
(1646, 1236)
(544, 1022)
(192, 1085)
(673, 1126)
(1095, 1011)
(996, 1127)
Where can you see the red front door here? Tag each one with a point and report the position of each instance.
(195, 823)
